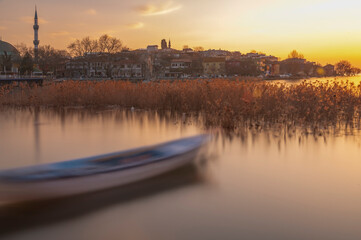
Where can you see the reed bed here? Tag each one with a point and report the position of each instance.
(221, 102)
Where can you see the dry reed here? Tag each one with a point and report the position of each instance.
(222, 102)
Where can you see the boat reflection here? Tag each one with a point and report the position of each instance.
(19, 217)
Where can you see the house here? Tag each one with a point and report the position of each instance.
(89, 66)
(179, 68)
(329, 70)
(274, 69)
(180, 63)
(214, 66)
(294, 66)
(243, 67)
(271, 68)
(188, 50)
(99, 67)
(60, 69)
(127, 69)
(233, 66)
(152, 48)
(76, 68)
(216, 53)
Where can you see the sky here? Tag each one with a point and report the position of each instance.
(324, 31)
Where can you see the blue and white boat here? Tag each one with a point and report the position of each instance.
(96, 173)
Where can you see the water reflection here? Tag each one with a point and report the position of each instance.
(15, 218)
(37, 132)
(261, 182)
(45, 135)
(61, 134)
(354, 79)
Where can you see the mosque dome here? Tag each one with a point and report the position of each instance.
(9, 49)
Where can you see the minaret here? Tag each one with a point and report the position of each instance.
(169, 45)
(36, 36)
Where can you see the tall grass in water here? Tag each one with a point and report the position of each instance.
(221, 102)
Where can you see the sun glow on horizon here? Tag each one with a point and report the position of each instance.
(325, 31)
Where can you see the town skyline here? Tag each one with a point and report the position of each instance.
(144, 24)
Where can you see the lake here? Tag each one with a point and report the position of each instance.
(355, 79)
(275, 183)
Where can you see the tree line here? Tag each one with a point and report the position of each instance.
(342, 68)
(105, 44)
(345, 68)
(49, 57)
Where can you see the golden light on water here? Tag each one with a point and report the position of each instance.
(274, 178)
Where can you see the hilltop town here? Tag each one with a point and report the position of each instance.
(169, 63)
(106, 57)
(166, 63)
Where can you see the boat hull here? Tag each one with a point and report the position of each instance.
(11, 192)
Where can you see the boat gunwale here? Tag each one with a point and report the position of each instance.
(19, 179)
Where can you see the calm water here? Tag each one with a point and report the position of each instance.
(354, 79)
(272, 184)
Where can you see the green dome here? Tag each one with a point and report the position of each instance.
(9, 49)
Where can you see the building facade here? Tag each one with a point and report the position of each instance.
(9, 59)
(213, 66)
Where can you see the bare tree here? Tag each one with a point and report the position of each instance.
(89, 45)
(344, 68)
(49, 58)
(355, 71)
(76, 48)
(27, 64)
(80, 47)
(295, 54)
(105, 44)
(115, 45)
(198, 49)
(108, 44)
(23, 49)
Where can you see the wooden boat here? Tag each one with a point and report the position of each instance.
(96, 173)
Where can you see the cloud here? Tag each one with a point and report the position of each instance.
(76, 24)
(91, 12)
(30, 20)
(135, 25)
(60, 34)
(151, 9)
(107, 31)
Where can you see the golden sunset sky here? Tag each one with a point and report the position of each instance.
(325, 31)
